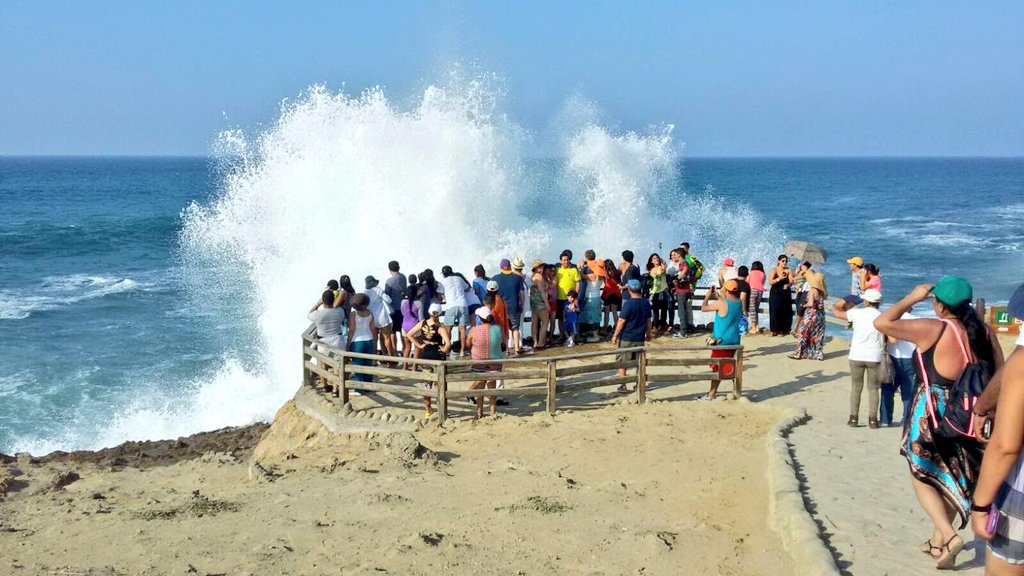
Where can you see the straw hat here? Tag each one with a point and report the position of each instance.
(817, 280)
(537, 263)
(518, 264)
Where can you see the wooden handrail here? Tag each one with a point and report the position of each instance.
(335, 367)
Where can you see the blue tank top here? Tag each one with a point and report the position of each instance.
(727, 328)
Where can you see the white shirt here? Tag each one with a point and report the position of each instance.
(1020, 339)
(902, 348)
(454, 289)
(867, 344)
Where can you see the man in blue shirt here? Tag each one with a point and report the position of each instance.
(633, 327)
(510, 288)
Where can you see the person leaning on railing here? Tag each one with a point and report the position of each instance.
(726, 332)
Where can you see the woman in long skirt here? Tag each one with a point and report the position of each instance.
(780, 301)
(812, 327)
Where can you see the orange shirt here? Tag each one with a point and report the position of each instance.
(500, 313)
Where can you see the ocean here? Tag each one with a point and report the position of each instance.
(146, 298)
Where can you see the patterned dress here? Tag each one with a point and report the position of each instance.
(812, 333)
(949, 464)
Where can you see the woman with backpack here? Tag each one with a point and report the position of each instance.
(943, 468)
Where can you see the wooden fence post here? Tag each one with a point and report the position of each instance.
(442, 393)
(641, 377)
(737, 383)
(342, 389)
(307, 377)
(552, 374)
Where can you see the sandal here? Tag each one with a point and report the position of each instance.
(794, 357)
(948, 558)
(930, 549)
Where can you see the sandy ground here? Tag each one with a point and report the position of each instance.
(672, 487)
(665, 488)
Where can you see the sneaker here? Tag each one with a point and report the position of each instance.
(679, 335)
(570, 342)
(593, 339)
(705, 398)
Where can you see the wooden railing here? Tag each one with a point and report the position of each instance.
(535, 375)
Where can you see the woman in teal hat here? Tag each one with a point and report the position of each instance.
(944, 470)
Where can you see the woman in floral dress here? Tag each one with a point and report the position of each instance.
(812, 326)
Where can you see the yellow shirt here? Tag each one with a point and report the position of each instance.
(567, 279)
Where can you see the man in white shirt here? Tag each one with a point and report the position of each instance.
(866, 348)
(456, 312)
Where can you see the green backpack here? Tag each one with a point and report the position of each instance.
(696, 269)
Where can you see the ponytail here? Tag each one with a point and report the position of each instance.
(977, 334)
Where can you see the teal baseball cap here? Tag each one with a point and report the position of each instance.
(952, 290)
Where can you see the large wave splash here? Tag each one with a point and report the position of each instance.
(341, 184)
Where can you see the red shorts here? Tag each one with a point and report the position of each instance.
(728, 368)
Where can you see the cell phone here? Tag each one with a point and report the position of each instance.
(986, 429)
(993, 520)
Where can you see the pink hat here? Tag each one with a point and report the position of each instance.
(729, 262)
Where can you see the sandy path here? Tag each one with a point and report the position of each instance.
(858, 485)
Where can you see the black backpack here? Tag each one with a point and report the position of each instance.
(958, 419)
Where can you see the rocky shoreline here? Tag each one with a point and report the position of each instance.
(236, 441)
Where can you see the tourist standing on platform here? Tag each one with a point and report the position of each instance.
(328, 319)
(727, 271)
(480, 281)
(1000, 489)
(539, 308)
(456, 312)
(551, 277)
(362, 334)
(499, 309)
(633, 328)
(661, 299)
(944, 469)
(510, 287)
(780, 300)
(428, 293)
(518, 265)
(433, 341)
(682, 288)
(611, 296)
(867, 345)
(571, 316)
(812, 327)
(395, 287)
(627, 271)
(728, 310)
(593, 274)
(756, 280)
(410, 316)
(380, 307)
(567, 278)
(347, 291)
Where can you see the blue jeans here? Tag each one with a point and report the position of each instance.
(362, 347)
(903, 376)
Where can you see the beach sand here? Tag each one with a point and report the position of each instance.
(672, 487)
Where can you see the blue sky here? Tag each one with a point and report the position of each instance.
(736, 78)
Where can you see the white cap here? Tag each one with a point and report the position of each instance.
(434, 308)
(871, 295)
(492, 286)
(484, 312)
